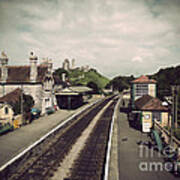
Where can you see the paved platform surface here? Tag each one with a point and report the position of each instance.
(132, 163)
(16, 141)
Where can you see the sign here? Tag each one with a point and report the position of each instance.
(146, 126)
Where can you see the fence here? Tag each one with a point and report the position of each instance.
(166, 134)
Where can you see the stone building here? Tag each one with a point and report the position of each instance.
(35, 80)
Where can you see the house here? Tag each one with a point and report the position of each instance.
(142, 86)
(149, 109)
(34, 79)
(7, 106)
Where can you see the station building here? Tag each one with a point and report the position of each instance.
(148, 110)
(34, 79)
(72, 97)
(142, 86)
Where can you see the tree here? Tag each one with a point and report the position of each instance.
(60, 71)
(93, 86)
(120, 83)
(28, 103)
(178, 107)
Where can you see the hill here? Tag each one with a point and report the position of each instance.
(79, 77)
(165, 78)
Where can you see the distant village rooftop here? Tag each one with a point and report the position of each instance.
(144, 79)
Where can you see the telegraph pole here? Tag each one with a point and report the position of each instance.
(174, 110)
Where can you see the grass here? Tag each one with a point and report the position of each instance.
(89, 76)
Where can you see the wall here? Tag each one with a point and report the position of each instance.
(165, 120)
(152, 90)
(144, 115)
(47, 101)
(35, 90)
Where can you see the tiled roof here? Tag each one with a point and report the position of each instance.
(140, 102)
(11, 98)
(22, 73)
(80, 89)
(144, 79)
(75, 90)
(149, 103)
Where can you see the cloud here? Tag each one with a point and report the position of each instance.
(110, 35)
(137, 59)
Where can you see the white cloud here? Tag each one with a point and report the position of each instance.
(137, 59)
(111, 35)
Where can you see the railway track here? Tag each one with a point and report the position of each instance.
(90, 164)
(41, 161)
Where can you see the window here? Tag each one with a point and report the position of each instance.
(146, 116)
(6, 110)
(141, 89)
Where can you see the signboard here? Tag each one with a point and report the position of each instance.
(146, 126)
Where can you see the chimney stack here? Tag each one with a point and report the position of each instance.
(33, 67)
(4, 69)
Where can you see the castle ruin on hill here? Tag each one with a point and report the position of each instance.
(66, 65)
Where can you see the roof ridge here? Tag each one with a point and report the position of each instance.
(143, 79)
(18, 66)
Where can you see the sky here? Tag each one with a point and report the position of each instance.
(117, 37)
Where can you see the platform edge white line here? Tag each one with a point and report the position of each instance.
(106, 172)
(45, 136)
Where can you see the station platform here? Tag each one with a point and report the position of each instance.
(126, 158)
(13, 143)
